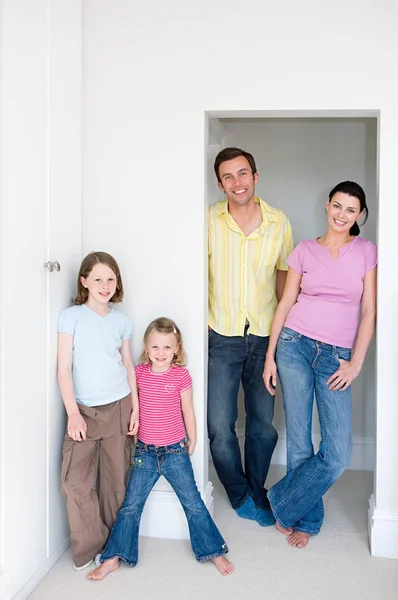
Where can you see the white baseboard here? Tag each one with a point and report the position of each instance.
(363, 451)
(163, 516)
(383, 531)
(34, 581)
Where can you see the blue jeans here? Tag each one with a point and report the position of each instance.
(150, 462)
(304, 366)
(232, 360)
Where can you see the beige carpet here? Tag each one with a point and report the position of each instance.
(335, 565)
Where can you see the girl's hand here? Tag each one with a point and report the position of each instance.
(269, 375)
(77, 427)
(344, 376)
(134, 423)
(190, 447)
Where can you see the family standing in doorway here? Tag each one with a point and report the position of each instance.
(304, 317)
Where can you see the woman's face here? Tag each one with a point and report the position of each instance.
(343, 210)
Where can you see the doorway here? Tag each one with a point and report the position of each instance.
(300, 157)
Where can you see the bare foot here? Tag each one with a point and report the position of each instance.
(223, 565)
(106, 567)
(283, 530)
(298, 539)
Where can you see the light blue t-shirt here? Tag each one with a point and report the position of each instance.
(99, 376)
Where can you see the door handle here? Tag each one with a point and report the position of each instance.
(52, 266)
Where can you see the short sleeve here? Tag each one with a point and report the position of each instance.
(370, 256)
(295, 260)
(287, 244)
(186, 381)
(138, 371)
(67, 320)
(127, 329)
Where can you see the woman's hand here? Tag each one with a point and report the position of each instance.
(134, 423)
(77, 427)
(344, 376)
(269, 375)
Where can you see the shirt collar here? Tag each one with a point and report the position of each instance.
(269, 215)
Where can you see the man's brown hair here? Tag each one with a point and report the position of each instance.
(230, 154)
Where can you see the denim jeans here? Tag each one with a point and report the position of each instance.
(149, 463)
(232, 360)
(304, 366)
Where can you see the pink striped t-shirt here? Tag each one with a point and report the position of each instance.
(327, 308)
(161, 420)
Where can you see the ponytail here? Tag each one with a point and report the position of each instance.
(354, 229)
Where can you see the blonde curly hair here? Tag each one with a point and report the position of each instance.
(164, 325)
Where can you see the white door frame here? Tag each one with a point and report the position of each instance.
(380, 545)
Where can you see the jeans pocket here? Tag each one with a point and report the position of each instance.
(343, 353)
(286, 335)
(179, 448)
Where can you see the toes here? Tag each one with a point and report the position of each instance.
(298, 540)
(228, 569)
(292, 540)
(93, 576)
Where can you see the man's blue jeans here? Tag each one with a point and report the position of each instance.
(304, 366)
(149, 463)
(232, 360)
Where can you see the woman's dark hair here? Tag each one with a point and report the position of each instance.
(230, 154)
(352, 189)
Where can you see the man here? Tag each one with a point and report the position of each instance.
(248, 244)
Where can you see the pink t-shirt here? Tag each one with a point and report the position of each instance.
(161, 420)
(327, 308)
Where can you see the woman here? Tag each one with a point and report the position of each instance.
(320, 349)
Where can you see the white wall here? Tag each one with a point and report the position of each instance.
(149, 75)
(299, 161)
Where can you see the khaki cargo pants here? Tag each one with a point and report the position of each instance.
(94, 476)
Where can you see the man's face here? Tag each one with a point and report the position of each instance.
(237, 180)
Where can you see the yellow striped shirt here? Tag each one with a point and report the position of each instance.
(242, 269)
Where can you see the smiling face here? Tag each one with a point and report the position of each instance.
(100, 283)
(343, 210)
(237, 180)
(161, 349)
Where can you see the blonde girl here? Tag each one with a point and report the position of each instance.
(166, 439)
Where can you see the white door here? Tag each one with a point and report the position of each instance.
(64, 225)
(41, 198)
